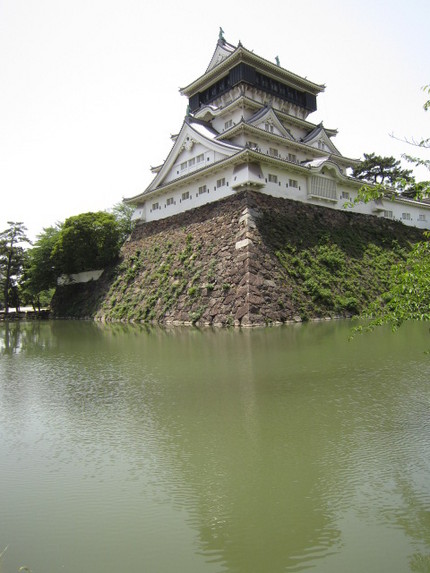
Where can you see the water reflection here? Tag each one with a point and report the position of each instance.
(216, 450)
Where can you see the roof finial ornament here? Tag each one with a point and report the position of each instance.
(221, 35)
(278, 63)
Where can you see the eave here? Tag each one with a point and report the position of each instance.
(253, 104)
(241, 54)
(243, 127)
(190, 125)
(190, 177)
(245, 156)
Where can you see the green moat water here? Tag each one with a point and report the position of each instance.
(287, 449)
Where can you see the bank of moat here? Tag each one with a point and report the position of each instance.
(247, 128)
(246, 260)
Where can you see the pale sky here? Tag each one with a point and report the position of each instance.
(89, 88)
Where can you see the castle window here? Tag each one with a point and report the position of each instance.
(293, 183)
(421, 217)
(184, 165)
(155, 206)
(185, 195)
(228, 124)
(252, 144)
(191, 162)
(345, 195)
(169, 201)
(268, 127)
(406, 216)
(388, 214)
(323, 188)
(220, 182)
(273, 178)
(202, 189)
(200, 158)
(273, 152)
(292, 157)
(321, 145)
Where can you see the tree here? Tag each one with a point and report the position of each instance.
(122, 213)
(11, 258)
(39, 276)
(382, 171)
(408, 296)
(86, 242)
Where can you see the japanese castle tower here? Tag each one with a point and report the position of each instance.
(246, 128)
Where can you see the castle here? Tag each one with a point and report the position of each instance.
(246, 128)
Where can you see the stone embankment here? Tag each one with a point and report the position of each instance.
(246, 260)
(42, 314)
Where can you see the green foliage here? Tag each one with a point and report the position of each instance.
(408, 290)
(122, 213)
(333, 270)
(381, 170)
(384, 177)
(193, 291)
(40, 275)
(12, 256)
(368, 193)
(408, 294)
(149, 283)
(87, 241)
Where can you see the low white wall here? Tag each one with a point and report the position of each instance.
(84, 277)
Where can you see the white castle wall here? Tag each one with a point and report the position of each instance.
(219, 185)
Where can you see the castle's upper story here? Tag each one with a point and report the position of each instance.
(247, 127)
(233, 66)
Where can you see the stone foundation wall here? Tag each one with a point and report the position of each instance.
(246, 260)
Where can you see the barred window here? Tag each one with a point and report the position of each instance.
(323, 188)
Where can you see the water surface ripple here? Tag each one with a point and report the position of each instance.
(290, 449)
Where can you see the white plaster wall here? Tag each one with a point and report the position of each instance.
(195, 199)
(186, 156)
(218, 123)
(298, 132)
(282, 189)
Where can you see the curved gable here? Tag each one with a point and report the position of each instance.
(267, 120)
(320, 139)
(222, 51)
(194, 140)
